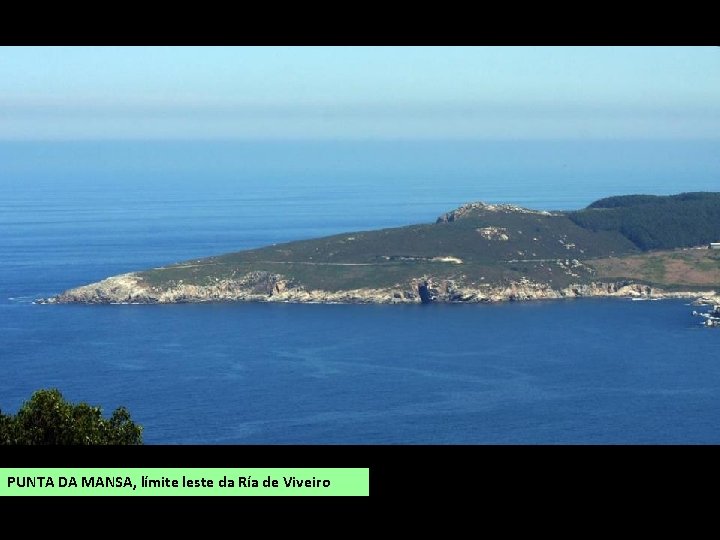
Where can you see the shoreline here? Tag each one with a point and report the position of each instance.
(131, 289)
(703, 300)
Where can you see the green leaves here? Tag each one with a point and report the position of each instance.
(47, 418)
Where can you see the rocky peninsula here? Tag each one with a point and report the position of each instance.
(477, 253)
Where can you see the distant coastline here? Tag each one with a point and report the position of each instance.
(636, 246)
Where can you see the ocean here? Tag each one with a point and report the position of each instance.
(606, 371)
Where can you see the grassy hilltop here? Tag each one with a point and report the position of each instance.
(635, 237)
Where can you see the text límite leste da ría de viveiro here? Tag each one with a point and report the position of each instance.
(165, 482)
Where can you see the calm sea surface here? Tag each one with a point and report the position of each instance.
(587, 371)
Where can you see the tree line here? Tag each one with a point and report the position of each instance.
(656, 222)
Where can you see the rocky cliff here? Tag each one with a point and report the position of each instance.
(478, 208)
(266, 287)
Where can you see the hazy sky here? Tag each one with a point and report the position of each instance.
(359, 92)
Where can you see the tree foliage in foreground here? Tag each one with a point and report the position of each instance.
(47, 418)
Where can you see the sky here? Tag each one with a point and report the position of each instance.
(499, 93)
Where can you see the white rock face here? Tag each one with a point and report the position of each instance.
(494, 233)
(468, 208)
(267, 287)
(447, 259)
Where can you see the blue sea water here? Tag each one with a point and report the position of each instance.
(584, 371)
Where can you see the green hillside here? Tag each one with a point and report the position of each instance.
(476, 243)
(385, 257)
(655, 222)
